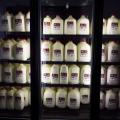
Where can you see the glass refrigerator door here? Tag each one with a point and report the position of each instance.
(66, 58)
(110, 71)
(14, 59)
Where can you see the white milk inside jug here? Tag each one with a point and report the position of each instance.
(47, 25)
(111, 100)
(8, 73)
(19, 22)
(73, 99)
(85, 95)
(57, 25)
(70, 51)
(102, 100)
(61, 98)
(1, 73)
(86, 75)
(103, 75)
(20, 73)
(49, 98)
(64, 74)
(55, 74)
(70, 26)
(7, 49)
(46, 51)
(3, 98)
(113, 50)
(104, 31)
(28, 74)
(19, 100)
(27, 22)
(22, 51)
(113, 75)
(46, 69)
(6, 22)
(113, 25)
(10, 99)
(57, 51)
(74, 72)
(103, 53)
(83, 26)
(84, 51)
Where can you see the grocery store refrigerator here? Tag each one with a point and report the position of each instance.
(15, 66)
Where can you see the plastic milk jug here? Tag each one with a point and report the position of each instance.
(103, 75)
(102, 100)
(103, 53)
(27, 22)
(104, 31)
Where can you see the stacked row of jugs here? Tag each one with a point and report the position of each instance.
(15, 49)
(12, 98)
(17, 23)
(66, 74)
(15, 73)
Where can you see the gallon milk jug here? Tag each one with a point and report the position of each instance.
(10, 99)
(70, 26)
(47, 25)
(27, 22)
(86, 75)
(28, 73)
(20, 73)
(103, 53)
(102, 100)
(29, 96)
(1, 73)
(57, 51)
(49, 98)
(70, 51)
(46, 51)
(104, 31)
(7, 49)
(61, 98)
(84, 51)
(113, 51)
(8, 73)
(57, 25)
(55, 74)
(73, 99)
(19, 22)
(64, 74)
(22, 50)
(3, 98)
(113, 25)
(46, 70)
(85, 95)
(74, 72)
(6, 22)
(19, 100)
(113, 75)
(103, 75)
(111, 100)
(83, 25)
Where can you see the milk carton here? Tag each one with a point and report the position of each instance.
(70, 51)
(111, 100)
(102, 100)
(74, 72)
(49, 98)
(57, 25)
(19, 22)
(27, 22)
(46, 71)
(64, 74)
(61, 98)
(86, 75)
(83, 26)
(57, 51)
(113, 75)
(103, 75)
(70, 26)
(104, 31)
(84, 51)
(73, 99)
(113, 25)
(6, 22)
(47, 25)
(46, 51)
(54, 75)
